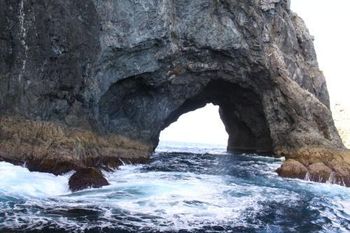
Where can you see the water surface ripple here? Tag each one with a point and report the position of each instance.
(190, 189)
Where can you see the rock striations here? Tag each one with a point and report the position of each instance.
(91, 83)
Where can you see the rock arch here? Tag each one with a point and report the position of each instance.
(102, 78)
(150, 109)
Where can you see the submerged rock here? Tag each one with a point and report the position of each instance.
(85, 178)
(87, 83)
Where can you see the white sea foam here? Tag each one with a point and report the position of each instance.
(171, 200)
(19, 181)
(181, 200)
(160, 200)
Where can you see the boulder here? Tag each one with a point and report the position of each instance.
(85, 178)
(319, 172)
(292, 169)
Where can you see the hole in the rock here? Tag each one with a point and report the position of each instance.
(202, 126)
(141, 111)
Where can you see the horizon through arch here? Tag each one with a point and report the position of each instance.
(202, 125)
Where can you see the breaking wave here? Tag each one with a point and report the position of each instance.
(181, 190)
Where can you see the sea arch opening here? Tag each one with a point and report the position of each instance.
(138, 109)
(240, 110)
(202, 126)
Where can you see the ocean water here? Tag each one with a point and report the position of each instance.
(185, 188)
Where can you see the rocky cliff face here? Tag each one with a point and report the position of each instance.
(85, 83)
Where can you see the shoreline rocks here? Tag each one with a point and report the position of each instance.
(319, 165)
(292, 169)
(51, 147)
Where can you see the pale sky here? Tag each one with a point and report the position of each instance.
(202, 126)
(329, 22)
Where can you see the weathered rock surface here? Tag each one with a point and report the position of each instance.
(88, 82)
(323, 165)
(87, 178)
(53, 147)
(292, 169)
(320, 172)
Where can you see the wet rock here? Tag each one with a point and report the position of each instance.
(292, 169)
(319, 172)
(85, 178)
(324, 165)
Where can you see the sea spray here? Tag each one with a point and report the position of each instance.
(189, 192)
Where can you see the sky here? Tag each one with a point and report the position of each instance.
(201, 126)
(329, 23)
